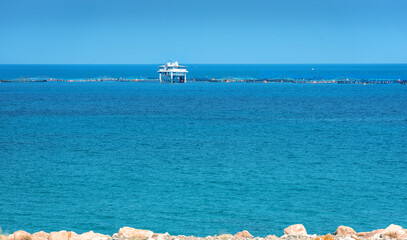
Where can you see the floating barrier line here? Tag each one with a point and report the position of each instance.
(226, 80)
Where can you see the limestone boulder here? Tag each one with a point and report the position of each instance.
(243, 234)
(161, 236)
(40, 236)
(354, 237)
(394, 231)
(181, 237)
(3, 237)
(372, 234)
(296, 229)
(72, 235)
(271, 237)
(61, 235)
(363, 234)
(21, 235)
(128, 232)
(90, 236)
(225, 236)
(344, 231)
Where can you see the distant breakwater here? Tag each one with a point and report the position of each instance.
(221, 80)
(293, 232)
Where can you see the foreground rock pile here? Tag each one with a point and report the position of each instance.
(293, 232)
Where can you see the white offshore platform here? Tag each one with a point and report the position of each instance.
(172, 72)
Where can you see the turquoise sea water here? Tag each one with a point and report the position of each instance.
(202, 158)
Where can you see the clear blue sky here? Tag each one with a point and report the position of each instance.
(210, 31)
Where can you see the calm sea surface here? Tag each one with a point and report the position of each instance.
(201, 158)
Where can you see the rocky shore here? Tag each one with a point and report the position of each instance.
(293, 232)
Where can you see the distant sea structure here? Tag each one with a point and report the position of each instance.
(172, 72)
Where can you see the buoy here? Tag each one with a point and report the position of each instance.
(364, 83)
(227, 81)
(314, 82)
(265, 81)
(347, 79)
(312, 69)
(70, 80)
